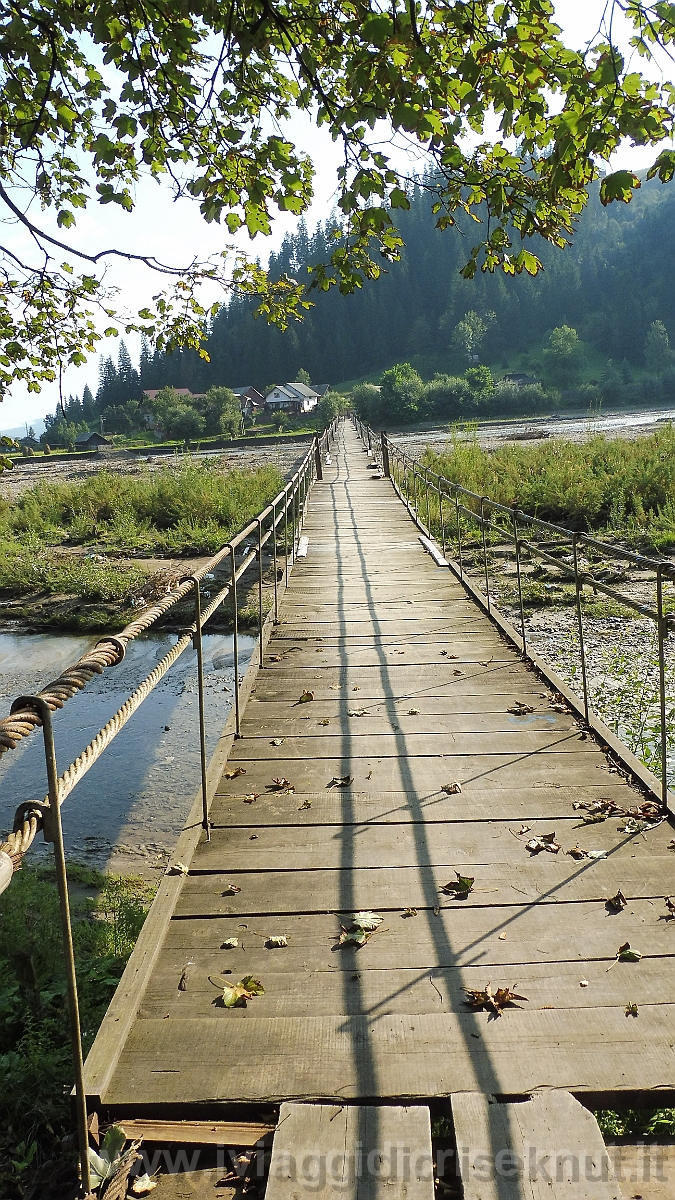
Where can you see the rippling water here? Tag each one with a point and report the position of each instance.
(128, 810)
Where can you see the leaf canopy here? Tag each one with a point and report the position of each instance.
(197, 96)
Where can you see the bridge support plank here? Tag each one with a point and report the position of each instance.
(548, 1145)
(353, 1152)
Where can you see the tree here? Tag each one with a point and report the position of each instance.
(401, 392)
(331, 405)
(92, 97)
(563, 356)
(658, 354)
(303, 376)
(185, 423)
(468, 335)
(222, 412)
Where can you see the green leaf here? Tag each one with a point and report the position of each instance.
(618, 186)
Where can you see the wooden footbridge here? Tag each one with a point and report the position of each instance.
(393, 740)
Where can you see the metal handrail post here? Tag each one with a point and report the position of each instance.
(459, 537)
(440, 515)
(662, 631)
(274, 558)
(580, 624)
(202, 718)
(260, 594)
(317, 457)
(286, 537)
(414, 471)
(426, 489)
(235, 643)
(485, 562)
(53, 832)
(385, 455)
(520, 586)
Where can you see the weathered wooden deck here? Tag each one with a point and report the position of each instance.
(412, 689)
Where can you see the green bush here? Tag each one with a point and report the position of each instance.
(628, 486)
(35, 1057)
(194, 508)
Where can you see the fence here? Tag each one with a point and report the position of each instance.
(283, 517)
(450, 509)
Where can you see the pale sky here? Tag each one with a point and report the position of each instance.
(175, 233)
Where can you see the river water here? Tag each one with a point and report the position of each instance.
(127, 812)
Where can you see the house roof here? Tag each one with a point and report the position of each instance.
(301, 389)
(82, 438)
(284, 389)
(152, 392)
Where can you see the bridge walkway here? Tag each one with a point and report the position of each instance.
(412, 690)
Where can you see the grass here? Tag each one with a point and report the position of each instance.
(621, 488)
(190, 509)
(35, 1059)
(193, 508)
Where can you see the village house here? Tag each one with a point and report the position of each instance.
(292, 398)
(251, 401)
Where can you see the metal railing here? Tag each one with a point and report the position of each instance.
(281, 520)
(445, 509)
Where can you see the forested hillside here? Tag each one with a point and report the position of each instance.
(610, 284)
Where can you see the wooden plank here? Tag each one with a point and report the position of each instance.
(198, 1133)
(546, 1146)
(458, 935)
(357, 1153)
(388, 845)
(425, 775)
(380, 718)
(353, 742)
(484, 650)
(355, 989)
(517, 805)
(386, 889)
(403, 680)
(341, 1058)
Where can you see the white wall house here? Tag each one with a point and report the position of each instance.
(292, 398)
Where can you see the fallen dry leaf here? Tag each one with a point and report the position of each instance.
(616, 903)
(496, 1001)
(340, 781)
(360, 929)
(625, 953)
(276, 941)
(235, 995)
(502, 937)
(369, 775)
(577, 852)
(277, 741)
(670, 905)
(356, 688)
(306, 697)
(458, 672)
(583, 983)
(361, 712)
(409, 912)
(281, 785)
(520, 710)
(325, 721)
(632, 1010)
(231, 889)
(250, 799)
(230, 943)
(451, 788)
(413, 712)
(275, 658)
(305, 805)
(671, 844)
(543, 841)
(234, 773)
(461, 886)
(177, 868)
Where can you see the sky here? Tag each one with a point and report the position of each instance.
(175, 233)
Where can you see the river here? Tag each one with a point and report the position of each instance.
(127, 812)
